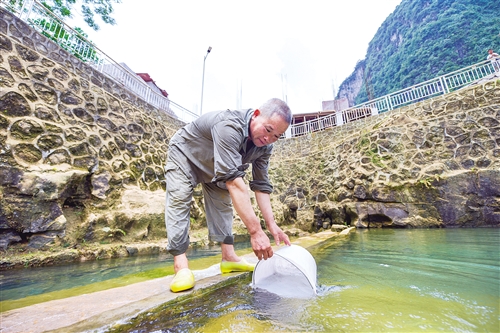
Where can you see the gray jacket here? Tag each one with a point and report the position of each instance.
(215, 148)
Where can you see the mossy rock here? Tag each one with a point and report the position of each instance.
(58, 156)
(26, 129)
(50, 142)
(13, 104)
(4, 122)
(27, 152)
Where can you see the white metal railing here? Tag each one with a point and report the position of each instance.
(313, 126)
(441, 85)
(51, 26)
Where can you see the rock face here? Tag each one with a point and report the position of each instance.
(352, 85)
(75, 148)
(81, 158)
(432, 164)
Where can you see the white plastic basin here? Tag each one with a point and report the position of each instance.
(290, 272)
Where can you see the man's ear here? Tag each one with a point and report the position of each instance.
(256, 113)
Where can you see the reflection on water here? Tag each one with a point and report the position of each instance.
(22, 283)
(378, 281)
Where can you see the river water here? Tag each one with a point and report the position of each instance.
(21, 287)
(376, 280)
(382, 280)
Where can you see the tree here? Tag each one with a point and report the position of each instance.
(63, 8)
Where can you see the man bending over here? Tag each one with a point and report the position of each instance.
(215, 150)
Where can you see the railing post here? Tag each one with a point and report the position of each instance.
(388, 101)
(26, 9)
(147, 96)
(444, 85)
(496, 64)
(338, 117)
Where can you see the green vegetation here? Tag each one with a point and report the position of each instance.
(64, 8)
(75, 44)
(423, 39)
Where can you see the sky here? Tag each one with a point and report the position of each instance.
(294, 50)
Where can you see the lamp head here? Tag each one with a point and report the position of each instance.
(209, 49)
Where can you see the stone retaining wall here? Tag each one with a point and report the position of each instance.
(434, 163)
(72, 142)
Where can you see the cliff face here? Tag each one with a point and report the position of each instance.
(352, 86)
(424, 39)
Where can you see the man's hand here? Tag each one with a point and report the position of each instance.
(278, 234)
(264, 202)
(261, 245)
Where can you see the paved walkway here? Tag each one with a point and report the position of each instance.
(100, 310)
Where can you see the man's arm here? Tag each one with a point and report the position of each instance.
(241, 200)
(264, 202)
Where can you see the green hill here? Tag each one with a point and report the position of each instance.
(423, 39)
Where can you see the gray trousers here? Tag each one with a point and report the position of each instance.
(218, 207)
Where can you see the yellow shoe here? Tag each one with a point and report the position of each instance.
(183, 280)
(240, 266)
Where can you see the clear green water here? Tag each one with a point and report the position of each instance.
(21, 284)
(444, 280)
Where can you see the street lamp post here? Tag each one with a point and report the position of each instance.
(203, 79)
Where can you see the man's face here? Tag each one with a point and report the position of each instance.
(264, 131)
